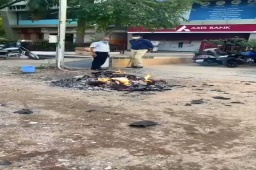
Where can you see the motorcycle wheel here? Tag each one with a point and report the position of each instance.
(231, 62)
(32, 56)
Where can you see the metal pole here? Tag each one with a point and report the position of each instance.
(61, 32)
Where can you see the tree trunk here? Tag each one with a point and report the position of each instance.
(80, 32)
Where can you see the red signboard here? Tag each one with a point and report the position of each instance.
(241, 28)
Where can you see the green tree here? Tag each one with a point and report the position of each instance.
(151, 14)
(251, 44)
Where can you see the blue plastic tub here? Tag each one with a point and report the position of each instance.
(28, 69)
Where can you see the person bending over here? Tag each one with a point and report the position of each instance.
(100, 52)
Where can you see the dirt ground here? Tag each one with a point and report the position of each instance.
(85, 130)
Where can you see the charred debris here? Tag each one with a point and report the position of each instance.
(113, 80)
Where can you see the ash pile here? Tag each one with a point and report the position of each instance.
(113, 80)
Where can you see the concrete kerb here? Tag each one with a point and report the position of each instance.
(116, 60)
(149, 60)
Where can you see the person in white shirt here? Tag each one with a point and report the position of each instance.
(100, 52)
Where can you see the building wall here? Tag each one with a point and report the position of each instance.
(211, 14)
(119, 38)
(252, 36)
(48, 26)
(17, 27)
(116, 37)
(8, 19)
(242, 13)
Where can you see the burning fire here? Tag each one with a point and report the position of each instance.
(121, 80)
(105, 80)
(147, 78)
(114, 80)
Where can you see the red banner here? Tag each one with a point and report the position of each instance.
(245, 28)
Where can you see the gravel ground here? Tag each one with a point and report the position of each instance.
(85, 130)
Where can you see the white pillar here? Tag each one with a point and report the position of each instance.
(46, 36)
(62, 31)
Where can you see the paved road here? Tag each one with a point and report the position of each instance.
(84, 63)
(92, 128)
(47, 55)
(243, 73)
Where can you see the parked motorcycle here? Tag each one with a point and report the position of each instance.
(214, 56)
(210, 56)
(235, 60)
(16, 50)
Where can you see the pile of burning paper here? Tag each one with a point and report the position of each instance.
(113, 80)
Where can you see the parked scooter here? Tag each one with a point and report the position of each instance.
(16, 50)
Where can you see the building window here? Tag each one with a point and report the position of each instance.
(40, 36)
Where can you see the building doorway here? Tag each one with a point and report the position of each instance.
(69, 38)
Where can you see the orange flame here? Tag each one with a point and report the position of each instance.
(105, 80)
(147, 77)
(122, 80)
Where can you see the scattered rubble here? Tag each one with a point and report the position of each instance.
(237, 102)
(210, 85)
(23, 111)
(3, 105)
(143, 124)
(5, 163)
(221, 98)
(113, 80)
(197, 101)
(220, 91)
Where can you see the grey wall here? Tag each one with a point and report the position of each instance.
(8, 20)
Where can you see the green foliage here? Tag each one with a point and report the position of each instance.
(251, 44)
(147, 13)
(40, 8)
(236, 41)
(150, 14)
